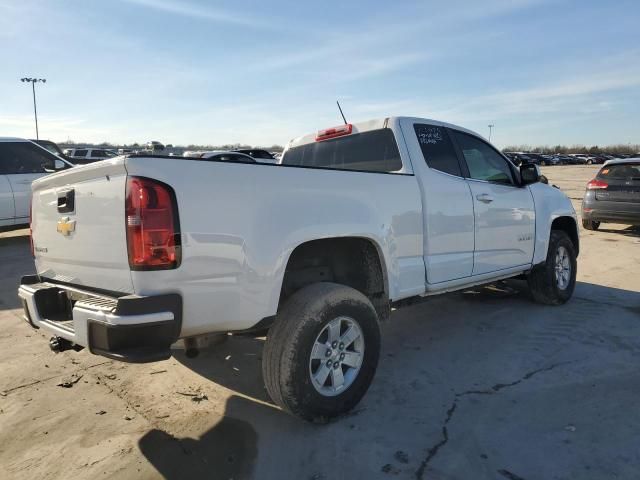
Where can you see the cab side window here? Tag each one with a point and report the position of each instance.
(437, 149)
(483, 161)
(24, 157)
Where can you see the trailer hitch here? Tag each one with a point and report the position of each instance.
(59, 344)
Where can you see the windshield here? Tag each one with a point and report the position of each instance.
(51, 147)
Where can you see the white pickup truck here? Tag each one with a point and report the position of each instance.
(136, 252)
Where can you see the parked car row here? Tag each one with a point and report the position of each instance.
(561, 159)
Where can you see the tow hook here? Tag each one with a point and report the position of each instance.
(59, 344)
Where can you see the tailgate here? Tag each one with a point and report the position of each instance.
(78, 223)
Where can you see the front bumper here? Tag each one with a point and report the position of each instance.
(129, 328)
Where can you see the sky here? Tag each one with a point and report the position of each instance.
(544, 72)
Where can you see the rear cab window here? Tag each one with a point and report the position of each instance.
(437, 149)
(372, 151)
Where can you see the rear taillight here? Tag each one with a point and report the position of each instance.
(33, 253)
(334, 132)
(153, 230)
(596, 184)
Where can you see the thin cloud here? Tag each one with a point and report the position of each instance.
(568, 94)
(367, 38)
(190, 10)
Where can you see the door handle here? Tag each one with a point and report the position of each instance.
(484, 198)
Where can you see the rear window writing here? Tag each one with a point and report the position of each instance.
(437, 149)
(374, 151)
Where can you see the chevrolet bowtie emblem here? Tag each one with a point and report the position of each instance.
(66, 226)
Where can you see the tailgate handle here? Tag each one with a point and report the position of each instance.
(66, 201)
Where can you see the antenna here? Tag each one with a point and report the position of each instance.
(340, 108)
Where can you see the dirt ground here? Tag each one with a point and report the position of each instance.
(483, 384)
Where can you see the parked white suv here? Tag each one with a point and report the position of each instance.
(81, 156)
(137, 252)
(22, 162)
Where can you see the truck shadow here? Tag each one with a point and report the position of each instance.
(440, 350)
(234, 364)
(228, 450)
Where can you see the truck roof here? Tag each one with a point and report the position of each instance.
(376, 124)
(13, 139)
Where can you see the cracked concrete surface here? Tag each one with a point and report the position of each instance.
(483, 384)
(433, 451)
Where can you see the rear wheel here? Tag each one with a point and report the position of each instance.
(543, 163)
(322, 351)
(590, 224)
(589, 162)
(553, 282)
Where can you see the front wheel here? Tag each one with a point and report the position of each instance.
(553, 282)
(322, 351)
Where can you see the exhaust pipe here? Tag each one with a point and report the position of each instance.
(191, 349)
(193, 345)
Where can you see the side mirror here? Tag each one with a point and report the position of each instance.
(57, 166)
(529, 173)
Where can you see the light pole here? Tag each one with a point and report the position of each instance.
(33, 82)
(491, 125)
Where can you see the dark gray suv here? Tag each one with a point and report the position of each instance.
(614, 195)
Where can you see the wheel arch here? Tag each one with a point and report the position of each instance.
(355, 261)
(568, 225)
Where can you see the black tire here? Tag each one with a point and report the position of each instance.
(589, 162)
(590, 224)
(542, 279)
(287, 352)
(543, 163)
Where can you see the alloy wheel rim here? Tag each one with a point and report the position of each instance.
(336, 357)
(562, 268)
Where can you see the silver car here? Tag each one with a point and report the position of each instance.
(614, 195)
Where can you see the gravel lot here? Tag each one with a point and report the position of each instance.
(473, 385)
